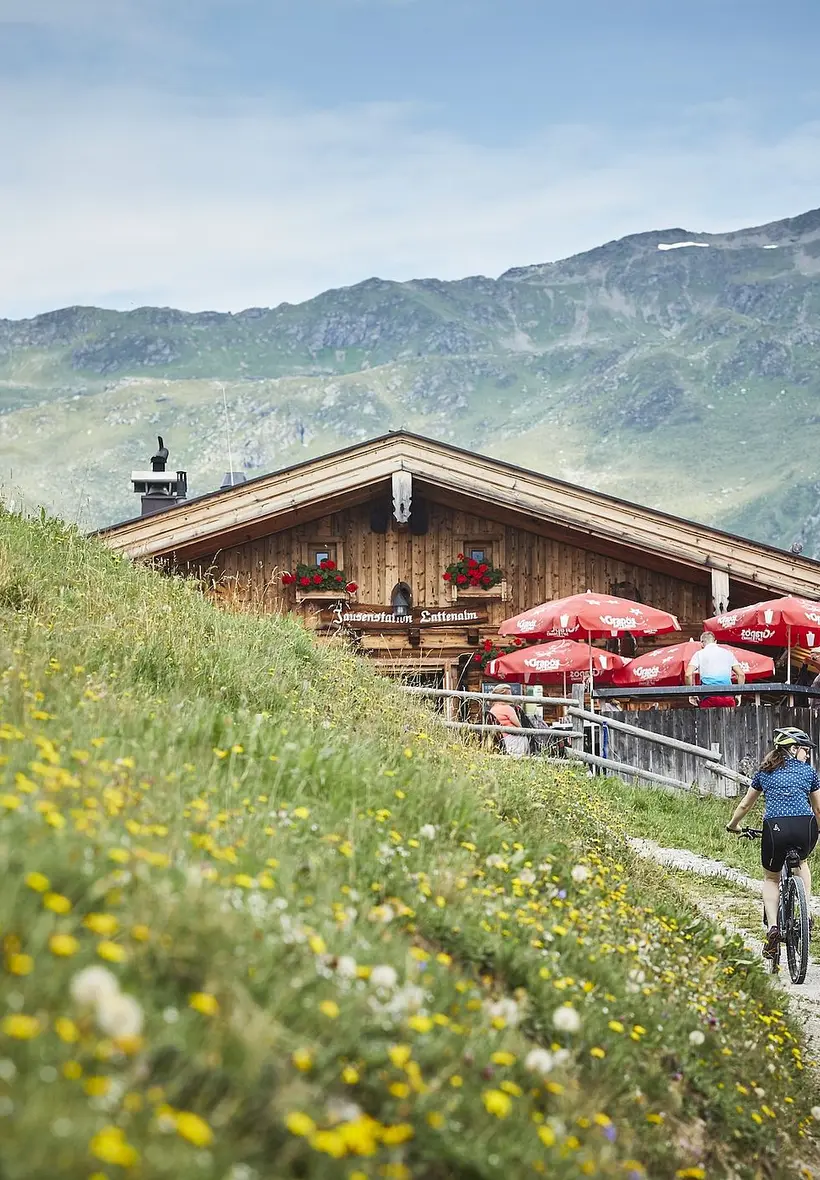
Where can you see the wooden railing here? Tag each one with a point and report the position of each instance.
(581, 718)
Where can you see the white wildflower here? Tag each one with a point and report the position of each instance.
(719, 940)
(92, 985)
(580, 874)
(341, 1111)
(7, 1069)
(119, 1016)
(384, 977)
(566, 1019)
(346, 967)
(696, 1037)
(428, 831)
(170, 1015)
(539, 1061)
(506, 1010)
(815, 1113)
(526, 877)
(494, 861)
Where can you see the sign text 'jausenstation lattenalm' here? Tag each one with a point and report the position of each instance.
(362, 618)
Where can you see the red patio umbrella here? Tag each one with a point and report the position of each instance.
(555, 663)
(777, 622)
(590, 616)
(667, 665)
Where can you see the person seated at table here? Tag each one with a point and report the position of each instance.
(517, 745)
(715, 665)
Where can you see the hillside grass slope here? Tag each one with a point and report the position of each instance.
(262, 917)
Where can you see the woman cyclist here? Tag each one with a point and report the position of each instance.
(791, 789)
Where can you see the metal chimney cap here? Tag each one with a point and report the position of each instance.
(231, 478)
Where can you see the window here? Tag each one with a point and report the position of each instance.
(319, 551)
(480, 553)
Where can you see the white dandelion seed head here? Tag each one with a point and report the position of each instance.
(696, 1037)
(340, 1111)
(505, 1009)
(346, 967)
(428, 831)
(92, 985)
(119, 1015)
(815, 1113)
(539, 1061)
(566, 1019)
(384, 977)
(526, 877)
(580, 874)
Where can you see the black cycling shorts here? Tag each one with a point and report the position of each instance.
(783, 833)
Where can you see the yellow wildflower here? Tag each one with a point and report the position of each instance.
(66, 1030)
(56, 903)
(300, 1124)
(21, 1027)
(191, 1127)
(63, 945)
(496, 1102)
(302, 1059)
(38, 882)
(101, 923)
(112, 952)
(547, 1136)
(398, 1134)
(111, 1146)
(18, 964)
(399, 1055)
(204, 1002)
(329, 1008)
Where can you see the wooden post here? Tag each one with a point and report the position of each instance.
(577, 738)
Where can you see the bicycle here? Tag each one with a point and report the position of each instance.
(792, 915)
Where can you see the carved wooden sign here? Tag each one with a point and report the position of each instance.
(375, 618)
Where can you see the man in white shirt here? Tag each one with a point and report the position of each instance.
(715, 665)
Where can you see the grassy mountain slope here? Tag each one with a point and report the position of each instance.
(392, 957)
(685, 378)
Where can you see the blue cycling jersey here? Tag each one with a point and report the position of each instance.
(787, 789)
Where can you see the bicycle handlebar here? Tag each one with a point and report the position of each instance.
(748, 833)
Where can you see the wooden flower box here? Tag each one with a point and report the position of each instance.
(460, 593)
(308, 595)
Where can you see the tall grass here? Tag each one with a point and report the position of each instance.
(336, 942)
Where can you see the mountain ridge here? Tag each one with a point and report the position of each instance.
(664, 376)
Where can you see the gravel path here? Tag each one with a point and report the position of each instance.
(804, 999)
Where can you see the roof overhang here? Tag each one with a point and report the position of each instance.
(320, 486)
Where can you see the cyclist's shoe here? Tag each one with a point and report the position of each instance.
(772, 943)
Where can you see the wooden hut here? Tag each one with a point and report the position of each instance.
(393, 513)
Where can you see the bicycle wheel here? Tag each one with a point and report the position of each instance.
(797, 930)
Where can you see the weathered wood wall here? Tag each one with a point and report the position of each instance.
(744, 733)
(536, 567)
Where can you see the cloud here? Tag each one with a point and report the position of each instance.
(126, 196)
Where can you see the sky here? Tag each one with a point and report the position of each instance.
(223, 154)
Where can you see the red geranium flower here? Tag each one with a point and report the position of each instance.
(461, 579)
(459, 557)
(304, 581)
(447, 577)
(477, 657)
(317, 579)
(488, 645)
(327, 564)
(338, 578)
(352, 587)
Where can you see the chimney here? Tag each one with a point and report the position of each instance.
(231, 478)
(159, 489)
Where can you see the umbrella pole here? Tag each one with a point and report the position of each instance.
(789, 655)
(591, 697)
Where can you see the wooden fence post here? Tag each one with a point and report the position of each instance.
(577, 739)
